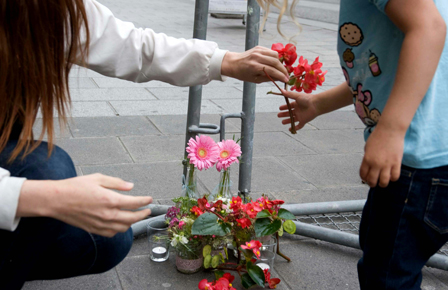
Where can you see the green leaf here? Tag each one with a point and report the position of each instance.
(215, 261)
(289, 226)
(227, 254)
(280, 231)
(264, 227)
(263, 214)
(207, 224)
(207, 250)
(256, 273)
(247, 281)
(285, 214)
(207, 261)
(218, 274)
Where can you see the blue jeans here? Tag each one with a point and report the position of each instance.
(45, 248)
(402, 226)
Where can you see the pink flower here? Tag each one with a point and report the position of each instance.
(202, 152)
(254, 246)
(181, 224)
(229, 151)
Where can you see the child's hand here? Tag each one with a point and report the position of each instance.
(303, 108)
(382, 158)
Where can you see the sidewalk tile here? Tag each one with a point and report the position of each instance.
(182, 93)
(78, 83)
(261, 105)
(111, 94)
(278, 144)
(332, 141)
(155, 148)
(91, 109)
(106, 82)
(324, 194)
(338, 120)
(172, 107)
(104, 281)
(111, 126)
(327, 170)
(58, 133)
(91, 151)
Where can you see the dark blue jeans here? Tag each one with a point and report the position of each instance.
(402, 226)
(45, 248)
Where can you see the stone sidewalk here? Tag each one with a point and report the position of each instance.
(136, 132)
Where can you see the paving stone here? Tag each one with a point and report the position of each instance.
(323, 194)
(338, 120)
(327, 170)
(111, 126)
(267, 122)
(90, 151)
(108, 280)
(155, 148)
(268, 175)
(182, 93)
(261, 105)
(162, 180)
(78, 83)
(58, 132)
(170, 107)
(332, 141)
(79, 72)
(176, 124)
(278, 144)
(91, 109)
(78, 171)
(111, 94)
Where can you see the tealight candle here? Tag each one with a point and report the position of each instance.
(159, 252)
(263, 266)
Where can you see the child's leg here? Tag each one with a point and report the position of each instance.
(397, 232)
(45, 248)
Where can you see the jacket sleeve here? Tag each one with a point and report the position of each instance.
(9, 199)
(119, 49)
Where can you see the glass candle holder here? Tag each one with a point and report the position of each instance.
(159, 243)
(267, 254)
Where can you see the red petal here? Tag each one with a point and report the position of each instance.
(277, 47)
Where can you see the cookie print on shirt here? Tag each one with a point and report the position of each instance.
(351, 34)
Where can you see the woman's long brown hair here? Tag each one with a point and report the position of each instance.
(39, 42)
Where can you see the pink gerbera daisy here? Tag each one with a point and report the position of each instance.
(202, 152)
(229, 151)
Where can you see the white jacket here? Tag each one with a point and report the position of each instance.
(119, 49)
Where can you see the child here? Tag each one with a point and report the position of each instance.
(395, 59)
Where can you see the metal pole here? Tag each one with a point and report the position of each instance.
(325, 207)
(195, 95)
(247, 122)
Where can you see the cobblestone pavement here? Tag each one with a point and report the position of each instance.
(136, 131)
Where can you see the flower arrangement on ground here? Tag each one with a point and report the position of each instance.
(304, 77)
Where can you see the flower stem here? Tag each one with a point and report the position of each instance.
(278, 249)
(291, 115)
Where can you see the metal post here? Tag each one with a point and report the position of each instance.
(247, 122)
(195, 95)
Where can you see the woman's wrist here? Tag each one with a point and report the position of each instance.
(37, 198)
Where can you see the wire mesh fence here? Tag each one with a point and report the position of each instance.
(344, 222)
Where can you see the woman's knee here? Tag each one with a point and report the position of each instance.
(111, 251)
(39, 165)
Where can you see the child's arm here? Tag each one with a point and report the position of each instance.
(425, 32)
(307, 107)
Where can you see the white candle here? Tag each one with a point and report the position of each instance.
(263, 266)
(159, 252)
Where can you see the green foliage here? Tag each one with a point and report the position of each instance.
(215, 261)
(219, 274)
(285, 214)
(265, 227)
(263, 214)
(255, 273)
(185, 204)
(207, 250)
(280, 231)
(289, 226)
(207, 224)
(247, 281)
(207, 261)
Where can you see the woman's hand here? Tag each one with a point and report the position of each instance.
(248, 66)
(303, 108)
(86, 202)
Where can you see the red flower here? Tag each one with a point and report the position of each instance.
(202, 203)
(223, 284)
(254, 246)
(272, 283)
(244, 222)
(205, 285)
(286, 54)
(196, 210)
(250, 211)
(229, 277)
(236, 203)
(277, 202)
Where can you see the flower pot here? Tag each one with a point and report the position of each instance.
(189, 266)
